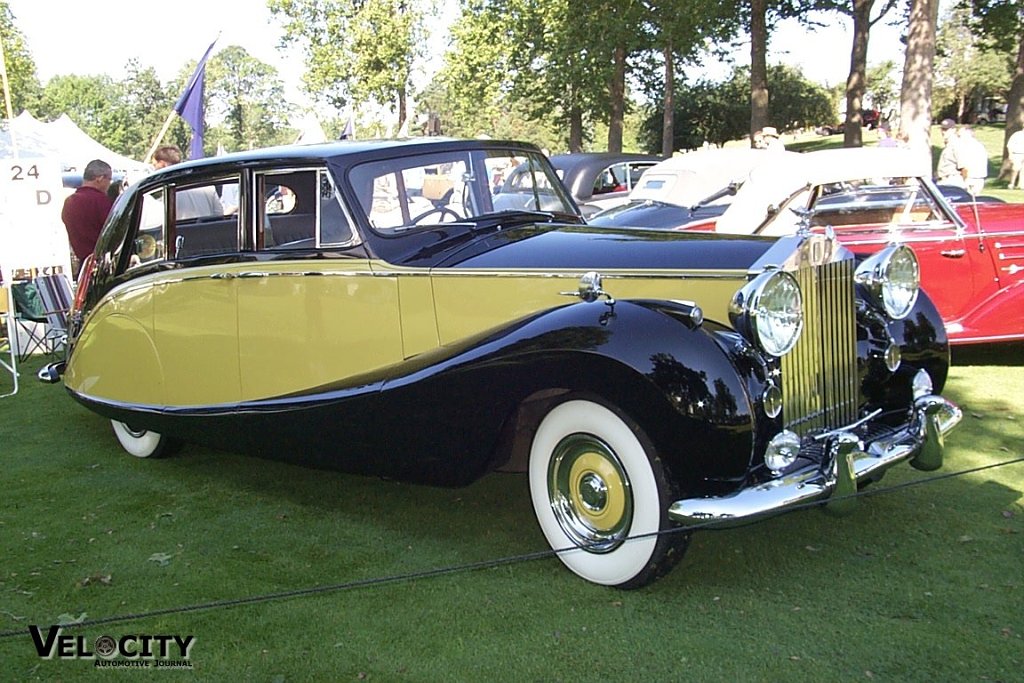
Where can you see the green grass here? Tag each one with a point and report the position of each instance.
(922, 584)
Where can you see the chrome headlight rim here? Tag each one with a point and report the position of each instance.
(892, 277)
(755, 312)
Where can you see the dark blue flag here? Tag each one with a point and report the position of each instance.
(190, 105)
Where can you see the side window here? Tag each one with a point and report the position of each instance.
(201, 226)
(148, 244)
(286, 209)
(296, 207)
(335, 227)
(424, 194)
(612, 179)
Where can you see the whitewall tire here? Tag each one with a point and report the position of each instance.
(141, 443)
(601, 496)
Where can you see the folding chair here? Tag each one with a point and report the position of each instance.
(55, 293)
(6, 347)
(29, 314)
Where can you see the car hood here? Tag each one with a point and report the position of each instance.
(592, 248)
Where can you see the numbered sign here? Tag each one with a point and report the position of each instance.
(32, 236)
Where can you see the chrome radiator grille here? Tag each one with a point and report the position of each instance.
(819, 376)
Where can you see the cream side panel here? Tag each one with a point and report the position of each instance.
(195, 326)
(116, 358)
(468, 302)
(304, 324)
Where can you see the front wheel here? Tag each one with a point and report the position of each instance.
(142, 443)
(601, 496)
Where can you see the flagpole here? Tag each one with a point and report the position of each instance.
(7, 99)
(160, 137)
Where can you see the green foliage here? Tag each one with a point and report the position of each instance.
(357, 51)
(967, 67)
(719, 112)
(21, 67)
(245, 101)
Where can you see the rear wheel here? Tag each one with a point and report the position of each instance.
(600, 495)
(142, 443)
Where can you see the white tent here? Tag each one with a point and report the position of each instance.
(60, 139)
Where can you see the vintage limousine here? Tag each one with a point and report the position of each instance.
(370, 307)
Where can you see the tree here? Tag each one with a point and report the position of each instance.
(717, 113)
(857, 81)
(21, 68)
(918, 66)
(1002, 22)
(144, 104)
(90, 101)
(357, 51)
(966, 68)
(246, 97)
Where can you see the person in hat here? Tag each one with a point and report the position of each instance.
(947, 170)
(771, 140)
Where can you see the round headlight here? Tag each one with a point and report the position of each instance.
(768, 311)
(893, 278)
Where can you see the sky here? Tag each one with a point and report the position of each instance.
(89, 39)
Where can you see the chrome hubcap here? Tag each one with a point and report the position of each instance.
(590, 493)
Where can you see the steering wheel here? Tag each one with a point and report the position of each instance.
(442, 210)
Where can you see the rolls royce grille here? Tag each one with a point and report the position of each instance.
(819, 376)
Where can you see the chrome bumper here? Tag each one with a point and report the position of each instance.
(848, 460)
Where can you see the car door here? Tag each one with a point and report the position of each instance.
(305, 321)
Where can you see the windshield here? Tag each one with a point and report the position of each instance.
(455, 187)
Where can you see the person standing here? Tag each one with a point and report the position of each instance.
(1015, 150)
(947, 171)
(194, 203)
(972, 158)
(86, 210)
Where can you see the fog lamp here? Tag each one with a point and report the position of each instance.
(922, 384)
(782, 451)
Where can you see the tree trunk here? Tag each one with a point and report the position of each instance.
(758, 67)
(575, 130)
(401, 108)
(1014, 110)
(617, 91)
(856, 83)
(668, 115)
(918, 69)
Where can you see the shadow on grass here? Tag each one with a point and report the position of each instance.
(1009, 354)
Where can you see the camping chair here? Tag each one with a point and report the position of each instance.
(29, 314)
(55, 293)
(6, 346)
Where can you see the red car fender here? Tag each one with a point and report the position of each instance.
(1000, 317)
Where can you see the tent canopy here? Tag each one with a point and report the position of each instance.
(61, 139)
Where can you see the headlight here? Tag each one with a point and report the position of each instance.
(768, 311)
(893, 278)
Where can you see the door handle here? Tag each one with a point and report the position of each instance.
(954, 253)
(223, 276)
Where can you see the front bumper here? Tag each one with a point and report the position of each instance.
(848, 460)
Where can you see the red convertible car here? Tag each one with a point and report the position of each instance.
(971, 253)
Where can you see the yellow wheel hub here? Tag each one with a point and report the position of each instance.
(597, 492)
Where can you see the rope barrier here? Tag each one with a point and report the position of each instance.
(498, 562)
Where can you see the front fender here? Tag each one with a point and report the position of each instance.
(998, 318)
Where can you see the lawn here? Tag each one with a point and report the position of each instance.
(924, 583)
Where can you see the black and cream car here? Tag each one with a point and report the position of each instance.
(371, 307)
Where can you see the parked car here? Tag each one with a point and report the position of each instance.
(689, 187)
(596, 180)
(869, 119)
(389, 321)
(971, 253)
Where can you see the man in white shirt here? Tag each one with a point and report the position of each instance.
(972, 158)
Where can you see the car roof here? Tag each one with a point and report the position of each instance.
(342, 148)
(780, 177)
